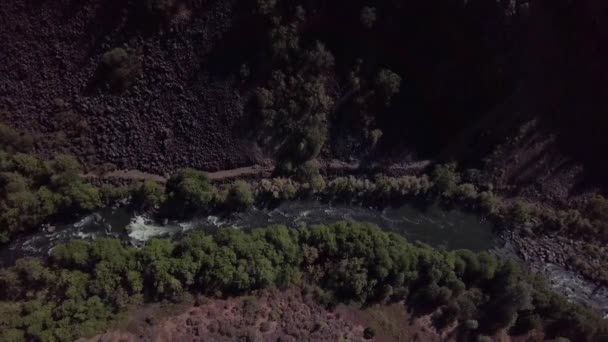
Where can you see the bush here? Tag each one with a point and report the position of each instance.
(387, 84)
(471, 324)
(489, 202)
(189, 190)
(466, 192)
(14, 182)
(368, 16)
(597, 208)
(309, 174)
(149, 194)
(265, 7)
(521, 213)
(119, 69)
(111, 194)
(239, 195)
(81, 197)
(446, 179)
(13, 141)
(278, 189)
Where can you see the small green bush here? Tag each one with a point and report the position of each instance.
(466, 192)
(149, 194)
(119, 69)
(446, 179)
(489, 202)
(278, 189)
(521, 213)
(189, 190)
(239, 195)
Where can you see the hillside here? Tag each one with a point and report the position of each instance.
(183, 91)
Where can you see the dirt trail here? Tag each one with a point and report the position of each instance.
(137, 175)
(260, 171)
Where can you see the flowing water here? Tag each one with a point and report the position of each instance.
(438, 227)
(435, 226)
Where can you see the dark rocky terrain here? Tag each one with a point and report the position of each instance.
(178, 112)
(472, 75)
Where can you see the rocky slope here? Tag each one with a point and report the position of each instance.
(178, 112)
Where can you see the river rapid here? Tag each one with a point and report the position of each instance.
(436, 226)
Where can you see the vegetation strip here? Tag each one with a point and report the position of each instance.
(83, 286)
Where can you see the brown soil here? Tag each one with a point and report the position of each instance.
(272, 315)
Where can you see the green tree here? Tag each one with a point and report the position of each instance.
(81, 196)
(73, 254)
(240, 195)
(446, 179)
(191, 190)
(149, 194)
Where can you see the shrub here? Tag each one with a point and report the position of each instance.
(240, 195)
(375, 136)
(119, 69)
(65, 170)
(111, 194)
(319, 58)
(368, 16)
(13, 141)
(278, 188)
(81, 196)
(265, 7)
(29, 166)
(466, 192)
(489, 202)
(446, 179)
(190, 190)
(149, 194)
(521, 213)
(597, 208)
(14, 182)
(387, 84)
(471, 324)
(308, 173)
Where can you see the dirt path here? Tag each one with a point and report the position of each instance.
(260, 171)
(136, 175)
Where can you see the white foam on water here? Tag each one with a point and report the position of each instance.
(85, 221)
(85, 236)
(142, 229)
(186, 226)
(215, 221)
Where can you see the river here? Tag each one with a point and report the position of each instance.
(436, 226)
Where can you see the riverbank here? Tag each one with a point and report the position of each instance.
(338, 263)
(217, 193)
